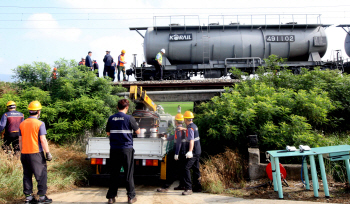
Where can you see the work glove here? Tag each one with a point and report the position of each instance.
(189, 155)
(163, 138)
(176, 157)
(48, 156)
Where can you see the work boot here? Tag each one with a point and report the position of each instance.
(44, 200)
(179, 188)
(132, 200)
(187, 192)
(30, 200)
(197, 190)
(111, 200)
(162, 190)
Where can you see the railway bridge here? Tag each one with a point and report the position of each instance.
(181, 90)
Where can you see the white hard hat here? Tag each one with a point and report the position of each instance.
(163, 50)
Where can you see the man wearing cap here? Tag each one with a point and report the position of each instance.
(88, 61)
(121, 65)
(174, 167)
(193, 149)
(33, 143)
(108, 60)
(82, 62)
(10, 121)
(157, 62)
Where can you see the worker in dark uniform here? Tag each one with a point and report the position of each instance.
(192, 156)
(10, 121)
(108, 60)
(119, 129)
(88, 61)
(96, 68)
(32, 142)
(173, 165)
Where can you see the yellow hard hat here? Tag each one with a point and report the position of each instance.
(11, 103)
(179, 116)
(123, 51)
(34, 105)
(188, 115)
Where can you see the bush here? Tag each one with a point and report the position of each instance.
(74, 103)
(282, 108)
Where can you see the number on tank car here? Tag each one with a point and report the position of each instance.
(280, 38)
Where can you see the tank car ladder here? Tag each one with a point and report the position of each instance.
(206, 51)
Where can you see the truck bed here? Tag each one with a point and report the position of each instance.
(145, 148)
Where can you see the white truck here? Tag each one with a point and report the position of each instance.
(150, 150)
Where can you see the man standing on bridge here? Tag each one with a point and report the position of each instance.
(121, 65)
(158, 64)
(119, 129)
(108, 60)
(193, 154)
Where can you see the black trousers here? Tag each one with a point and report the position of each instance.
(174, 171)
(34, 164)
(11, 139)
(159, 70)
(119, 158)
(193, 164)
(104, 71)
(111, 71)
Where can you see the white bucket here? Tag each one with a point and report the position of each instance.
(142, 132)
(154, 132)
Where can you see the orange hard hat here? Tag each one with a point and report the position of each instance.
(123, 51)
(10, 103)
(54, 68)
(34, 105)
(179, 117)
(188, 115)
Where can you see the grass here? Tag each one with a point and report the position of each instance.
(66, 171)
(171, 107)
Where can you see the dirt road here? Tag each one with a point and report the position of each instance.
(148, 195)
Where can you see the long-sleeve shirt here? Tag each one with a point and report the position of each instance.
(10, 121)
(177, 139)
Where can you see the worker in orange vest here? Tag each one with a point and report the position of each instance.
(33, 143)
(121, 65)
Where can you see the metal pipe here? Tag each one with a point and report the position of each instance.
(139, 33)
(177, 92)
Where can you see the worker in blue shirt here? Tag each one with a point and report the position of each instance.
(174, 166)
(119, 129)
(108, 60)
(88, 61)
(10, 121)
(193, 148)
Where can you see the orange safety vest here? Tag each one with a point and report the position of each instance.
(121, 60)
(30, 136)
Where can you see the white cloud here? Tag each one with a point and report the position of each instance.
(55, 31)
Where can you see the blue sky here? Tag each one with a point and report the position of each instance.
(25, 35)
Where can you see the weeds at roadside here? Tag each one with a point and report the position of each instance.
(225, 170)
(66, 171)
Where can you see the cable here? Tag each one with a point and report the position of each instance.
(236, 8)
